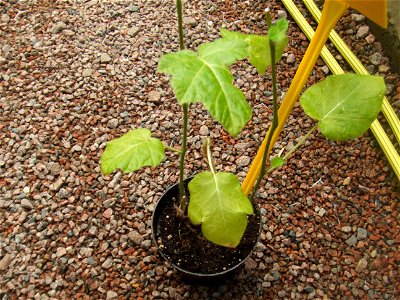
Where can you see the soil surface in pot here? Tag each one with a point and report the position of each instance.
(185, 246)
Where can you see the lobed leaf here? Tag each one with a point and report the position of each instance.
(345, 105)
(205, 77)
(258, 45)
(132, 151)
(219, 205)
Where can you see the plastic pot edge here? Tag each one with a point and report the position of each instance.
(201, 278)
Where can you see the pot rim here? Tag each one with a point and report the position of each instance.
(192, 274)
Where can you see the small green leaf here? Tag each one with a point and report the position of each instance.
(132, 151)
(276, 162)
(258, 46)
(277, 32)
(205, 77)
(345, 105)
(218, 203)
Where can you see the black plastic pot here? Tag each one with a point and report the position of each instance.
(170, 198)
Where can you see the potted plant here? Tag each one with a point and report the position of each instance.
(208, 217)
(212, 207)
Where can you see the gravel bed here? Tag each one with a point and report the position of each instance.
(74, 74)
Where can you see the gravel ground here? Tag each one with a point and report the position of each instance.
(75, 74)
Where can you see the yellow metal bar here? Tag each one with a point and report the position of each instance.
(376, 128)
(357, 66)
(331, 13)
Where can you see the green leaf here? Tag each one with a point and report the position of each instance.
(205, 77)
(276, 162)
(277, 32)
(345, 105)
(222, 52)
(258, 47)
(218, 203)
(277, 35)
(132, 151)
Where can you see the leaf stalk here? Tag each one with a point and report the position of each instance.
(297, 146)
(208, 154)
(301, 142)
(172, 149)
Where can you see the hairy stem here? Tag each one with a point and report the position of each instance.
(180, 23)
(182, 194)
(274, 125)
(185, 108)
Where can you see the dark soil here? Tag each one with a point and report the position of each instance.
(184, 245)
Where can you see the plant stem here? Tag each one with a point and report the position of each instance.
(274, 125)
(182, 196)
(185, 108)
(268, 18)
(180, 23)
(298, 145)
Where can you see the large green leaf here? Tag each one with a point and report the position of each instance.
(258, 45)
(218, 203)
(345, 105)
(205, 77)
(132, 151)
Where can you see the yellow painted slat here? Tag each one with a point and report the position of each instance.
(357, 66)
(333, 10)
(376, 128)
